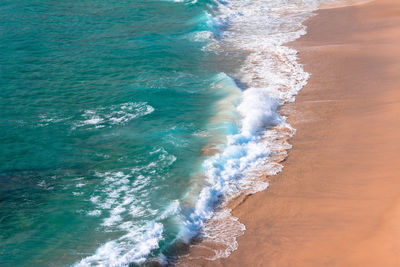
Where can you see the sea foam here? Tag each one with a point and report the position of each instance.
(113, 115)
(120, 200)
(256, 134)
(272, 77)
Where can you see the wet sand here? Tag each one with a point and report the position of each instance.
(337, 201)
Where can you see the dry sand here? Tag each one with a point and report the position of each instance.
(337, 201)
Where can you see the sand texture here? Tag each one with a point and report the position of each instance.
(337, 201)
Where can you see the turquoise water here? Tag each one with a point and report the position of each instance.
(126, 126)
(105, 107)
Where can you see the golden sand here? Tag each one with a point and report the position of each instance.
(337, 201)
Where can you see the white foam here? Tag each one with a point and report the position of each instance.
(121, 201)
(223, 229)
(94, 213)
(173, 209)
(132, 247)
(273, 77)
(46, 120)
(201, 36)
(113, 115)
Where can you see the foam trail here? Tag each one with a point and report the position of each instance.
(256, 133)
(117, 197)
(114, 254)
(273, 77)
(113, 115)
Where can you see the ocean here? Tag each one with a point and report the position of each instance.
(126, 126)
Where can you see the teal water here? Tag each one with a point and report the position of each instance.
(104, 109)
(122, 132)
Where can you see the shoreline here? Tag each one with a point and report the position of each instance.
(337, 199)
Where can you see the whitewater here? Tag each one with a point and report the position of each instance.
(258, 139)
(127, 127)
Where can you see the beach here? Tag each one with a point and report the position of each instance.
(337, 200)
(200, 133)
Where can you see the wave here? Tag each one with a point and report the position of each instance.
(121, 199)
(256, 147)
(114, 253)
(255, 134)
(113, 115)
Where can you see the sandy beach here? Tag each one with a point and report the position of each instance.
(337, 201)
